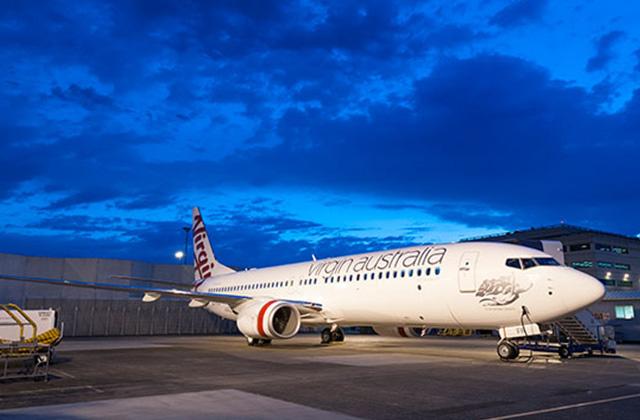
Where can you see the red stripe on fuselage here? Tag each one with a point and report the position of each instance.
(263, 310)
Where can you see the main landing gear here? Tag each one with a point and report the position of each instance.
(507, 350)
(258, 341)
(332, 334)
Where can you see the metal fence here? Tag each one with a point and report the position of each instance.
(90, 318)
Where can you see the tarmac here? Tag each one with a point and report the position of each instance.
(364, 377)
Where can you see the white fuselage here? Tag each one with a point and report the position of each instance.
(450, 285)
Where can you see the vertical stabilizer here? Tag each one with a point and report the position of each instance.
(205, 264)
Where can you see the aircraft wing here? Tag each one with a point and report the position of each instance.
(154, 293)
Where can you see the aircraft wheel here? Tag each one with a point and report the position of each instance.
(338, 335)
(252, 341)
(507, 350)
(564, 352)
(326, 336)
(265, 342)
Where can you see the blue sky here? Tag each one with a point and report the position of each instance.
(313, 127)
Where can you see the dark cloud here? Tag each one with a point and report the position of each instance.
(519, 12)
(137, 106)
(86, 97)
(604, 50)
(469, 136)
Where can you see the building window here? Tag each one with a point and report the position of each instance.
(604, 264)
(625, 283)
(619, 250)
(624, 312)
(612, 248)
(620, 266)
(580, 247)
(582, 264)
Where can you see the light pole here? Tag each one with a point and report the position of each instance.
(186, 229)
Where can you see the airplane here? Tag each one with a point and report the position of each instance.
(399, 292)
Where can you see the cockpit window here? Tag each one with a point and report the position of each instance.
(513, 262)
(524, 263)
(546, 261)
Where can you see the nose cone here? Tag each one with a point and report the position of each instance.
(583, 291)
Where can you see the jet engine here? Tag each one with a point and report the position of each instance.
(268, 319)
(405, 332)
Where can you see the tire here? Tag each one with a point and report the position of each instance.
(252, 341)
(338, 335)
(564, 352)
(507, 350)
(326, 336)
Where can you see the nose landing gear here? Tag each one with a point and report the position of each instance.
(507, 350)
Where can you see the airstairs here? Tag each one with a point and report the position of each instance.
(25, 352)
(578, 333)
(574, 328)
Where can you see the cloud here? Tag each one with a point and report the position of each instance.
(86, 97)
(143, 107)
(468, 136)
(519, 12)
(604, 50)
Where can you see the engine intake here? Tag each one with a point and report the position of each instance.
(270, 319)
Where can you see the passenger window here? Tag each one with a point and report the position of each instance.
(395, 274)
(350, 277)
(380, 275)
(357, 277)
(402, 273)
(514, 263)
(419, 272)
(437, 271)
(427, 272)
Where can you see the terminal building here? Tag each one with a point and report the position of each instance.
(612, 258)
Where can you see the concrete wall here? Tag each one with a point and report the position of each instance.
(88, 312)
(91, 318)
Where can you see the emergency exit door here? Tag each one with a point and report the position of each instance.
(467, 272)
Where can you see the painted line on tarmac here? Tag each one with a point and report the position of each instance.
(61, 373)
(54, 390)
(566, 407)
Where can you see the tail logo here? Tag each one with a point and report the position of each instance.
(200, 254)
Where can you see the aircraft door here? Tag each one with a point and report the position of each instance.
(467, 272)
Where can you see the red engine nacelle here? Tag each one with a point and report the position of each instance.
(405, 332)
(268, 319)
